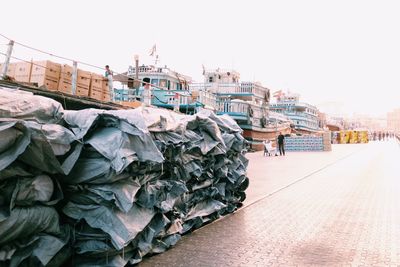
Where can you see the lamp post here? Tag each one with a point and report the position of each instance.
(276, 138)
(137, 83)
(4, 70)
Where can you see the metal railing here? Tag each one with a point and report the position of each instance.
(242, 108)
(207, 99)
(186, 98)
(231, 88)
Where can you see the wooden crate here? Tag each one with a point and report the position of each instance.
(47, 69)
(98, 95)
(106, 91)
(96, 88)
(105, 85)
(83, 79)
(106, 96)
(10, 71)
(48, 84)
(66, 73)
(46, 74)
(96, 82)
(23, 72)
(65, 86)
(82, 91)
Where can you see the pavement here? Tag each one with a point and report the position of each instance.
(336, 208)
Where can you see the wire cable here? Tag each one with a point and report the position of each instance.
(35, 64)
(79, 62)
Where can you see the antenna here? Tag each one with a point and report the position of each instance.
(156, 60)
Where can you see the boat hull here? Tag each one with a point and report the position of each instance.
(257, 136)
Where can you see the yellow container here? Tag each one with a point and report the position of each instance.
(363, 137)
(353, 137)
(344, 137)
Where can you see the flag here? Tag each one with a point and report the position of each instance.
(277, 93)
(153, 50)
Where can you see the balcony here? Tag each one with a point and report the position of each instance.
(240, 109)
(239, 89)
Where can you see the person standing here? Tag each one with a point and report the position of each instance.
(109, 76)
(281, 143)
(146, 91)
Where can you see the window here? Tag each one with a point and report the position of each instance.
(210, 79)
(163, 83)
(154, 81)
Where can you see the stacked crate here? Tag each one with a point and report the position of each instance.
(65, 83)
(83, 83)
(304, 143)
(46, 74)
(105, 91)
(327, 140)
(96, 87)
(23, 72)
(57, 77)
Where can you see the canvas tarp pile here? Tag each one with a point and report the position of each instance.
(111, 186)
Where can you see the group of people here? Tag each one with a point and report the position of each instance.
(269, 150)
(382, 136)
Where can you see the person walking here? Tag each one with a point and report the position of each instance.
(281, 143)
(109, 76)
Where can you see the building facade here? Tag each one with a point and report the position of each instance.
(393, 120)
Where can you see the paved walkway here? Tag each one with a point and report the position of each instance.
(319, 209)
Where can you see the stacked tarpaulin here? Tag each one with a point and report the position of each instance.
(126, 183)
(32, 151)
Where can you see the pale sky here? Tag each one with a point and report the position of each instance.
(342, 51)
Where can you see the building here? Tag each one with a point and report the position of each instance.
(246, 102)
(305, 117)
(393, 120)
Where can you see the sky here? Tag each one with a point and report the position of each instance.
(342, 56)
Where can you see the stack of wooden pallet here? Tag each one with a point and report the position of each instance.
(56, 77)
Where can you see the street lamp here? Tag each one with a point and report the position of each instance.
(137, 83)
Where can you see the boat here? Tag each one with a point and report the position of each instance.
(170, 89)
(222, 91)
(305, 117)
(246, 102)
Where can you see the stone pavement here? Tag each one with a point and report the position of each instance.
(341, 211)
(269, 174)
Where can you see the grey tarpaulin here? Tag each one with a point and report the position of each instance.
(26, 106)
(184, 171)
(125, 183)
(14, 139)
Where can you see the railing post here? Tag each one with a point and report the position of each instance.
(74, 76)
(4, 70)
(176, 107)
